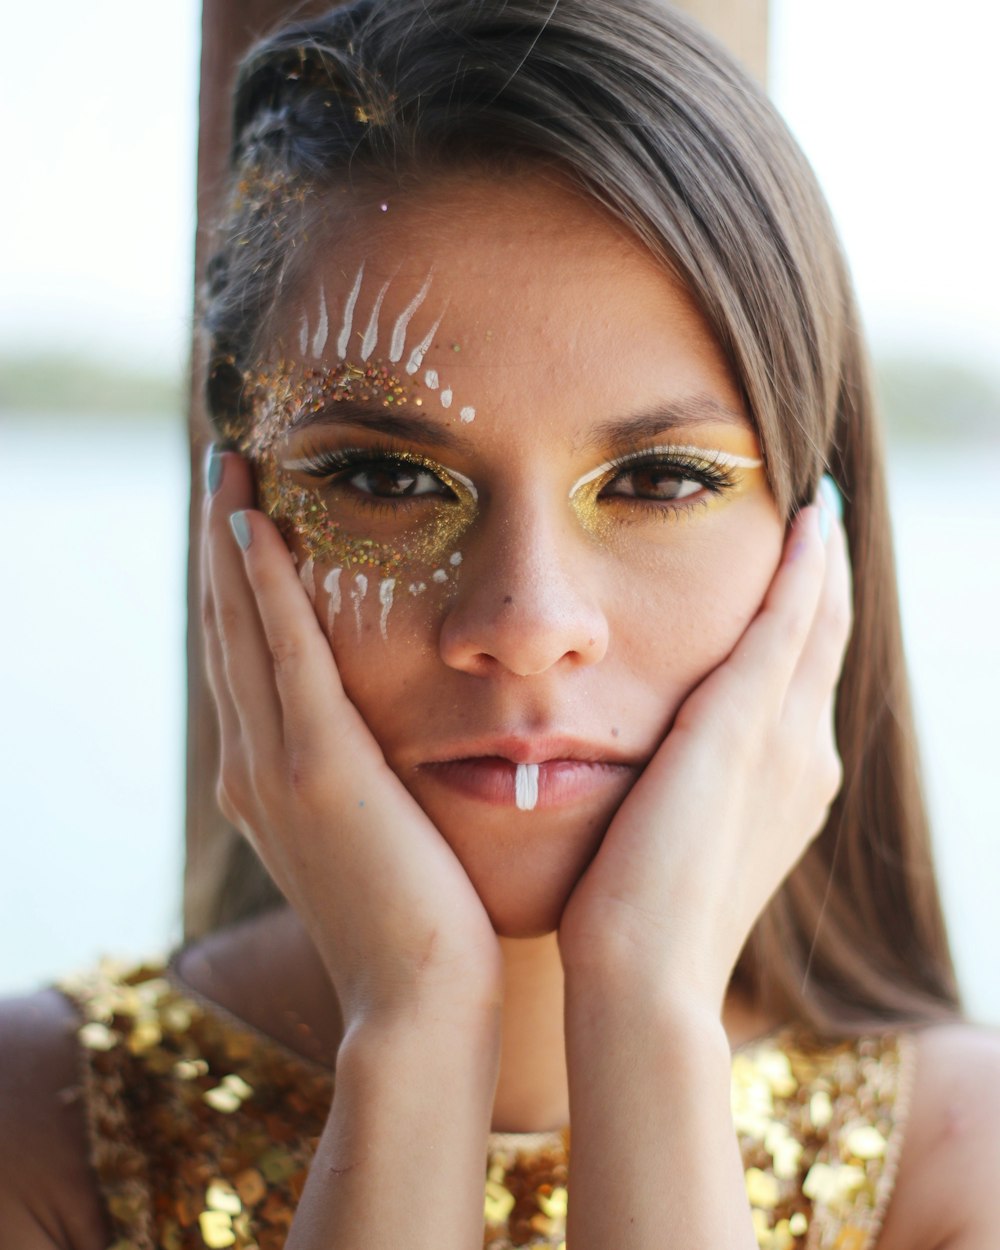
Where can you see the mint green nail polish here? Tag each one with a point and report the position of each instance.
(213, 469)
(241, 529)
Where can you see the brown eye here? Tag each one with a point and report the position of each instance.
(651, 482)
(394, 481)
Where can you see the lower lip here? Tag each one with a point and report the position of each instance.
(560, 782)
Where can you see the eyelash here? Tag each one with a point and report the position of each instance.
(714, 476)
(336, 467)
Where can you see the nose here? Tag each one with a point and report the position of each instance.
(524, 603)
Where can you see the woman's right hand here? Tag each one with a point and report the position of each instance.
(390, 909)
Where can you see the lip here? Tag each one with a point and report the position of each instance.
(529, 749)
(531, 774)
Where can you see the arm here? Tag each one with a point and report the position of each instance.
(408, 946)
(650, 936)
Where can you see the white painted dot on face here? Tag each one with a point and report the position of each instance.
(417, 588)
(344, 338)
(468, 414)
(439, 575)
(386, 587)
(446, 397)
(455, 558)
(431, 379)
(331, 584)
(323, 327)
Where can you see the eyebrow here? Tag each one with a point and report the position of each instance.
(663, 418)
(414, 426)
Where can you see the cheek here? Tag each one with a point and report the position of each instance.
(697, 603)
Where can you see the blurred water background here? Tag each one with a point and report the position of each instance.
(95, 267)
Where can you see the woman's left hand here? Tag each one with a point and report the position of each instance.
(738, 789)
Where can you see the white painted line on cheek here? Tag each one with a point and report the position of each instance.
(446, 397)
(417, 588)
(431, 379)
(455, 558)
(323, 329)
(468, 414)
(303, 335)
(439, 576)
(331, 584)
(398, 341)
(370, 341)
(526, 787)
(344, 337)
(385, 591)
(308, 579)
(420, 351)
(357, 595)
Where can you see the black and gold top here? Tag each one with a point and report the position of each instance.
(202, 1129)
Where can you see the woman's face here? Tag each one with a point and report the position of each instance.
(527, 502)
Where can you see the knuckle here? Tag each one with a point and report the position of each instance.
(286, 652)
(229, 620)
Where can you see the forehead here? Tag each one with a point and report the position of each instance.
(531, 282)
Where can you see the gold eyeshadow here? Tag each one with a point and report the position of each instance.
(281, 398)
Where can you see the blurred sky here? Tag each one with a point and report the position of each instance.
(894, 101)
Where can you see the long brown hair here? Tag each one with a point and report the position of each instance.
(645, 114)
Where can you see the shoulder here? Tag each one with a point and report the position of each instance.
(946, 1194)
(48, 1194)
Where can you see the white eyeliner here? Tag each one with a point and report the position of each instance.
(304, 465)
(323, 329)
(526, 787)
(370, 340)
(331, 584)
(714, 457)
(420, 351)
(345, 329)
(398, 340)
(385, 591)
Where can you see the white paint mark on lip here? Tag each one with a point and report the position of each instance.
(420, 351)
(357, 595)
(455, 558)
(711, 454)
(385, 590)
(431, 379)
(307, 577)
(323, 328)
(439, 575)
(398, 340)
(331, 584)
(303, 335)
(370, 340)
(446, 397)
(526, 786)
(344, 337)
(468, 414)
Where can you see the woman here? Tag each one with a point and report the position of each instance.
(530, 340)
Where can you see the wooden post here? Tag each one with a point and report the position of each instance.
(229, 28)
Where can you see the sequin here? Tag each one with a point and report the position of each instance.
(227, 1123)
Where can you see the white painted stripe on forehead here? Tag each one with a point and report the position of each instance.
(344, 337)
(370, 340)
(398, 340)
(420, 351)
(713, 455)
(323, 329)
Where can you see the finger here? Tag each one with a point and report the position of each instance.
(246, 669)
(229, 725)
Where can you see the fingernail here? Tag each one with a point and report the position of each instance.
(213, 469)
(241, 529)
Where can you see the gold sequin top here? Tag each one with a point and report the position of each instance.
(202, 1129)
